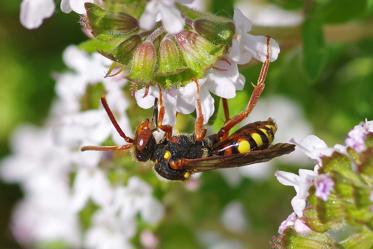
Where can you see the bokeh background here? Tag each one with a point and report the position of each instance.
(322, 84)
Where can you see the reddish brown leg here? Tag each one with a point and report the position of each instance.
(199, 131)
(106, 148)
(166, 128)
(258, 89)
(114, 121)
(226, 109)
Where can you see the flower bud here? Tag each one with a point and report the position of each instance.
(313, 240)
(215, 32)
(124, 51)
(170, 58)
(199, 54)
(113, 23)
(143, 63)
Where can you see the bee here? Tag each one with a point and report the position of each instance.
(178, 157)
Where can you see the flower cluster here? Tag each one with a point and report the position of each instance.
(65, 189)
(325, 196)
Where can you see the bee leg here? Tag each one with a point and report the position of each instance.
(258, 89)
(199, 131)
(106, 148)
(166, 128)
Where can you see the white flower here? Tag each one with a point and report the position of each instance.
(148, 240)
(234, 217)
(74, 5)
(324, 185)
(246, 46)
(136, 198)
(315, 148)
(166, 11)
(296, 223)
(265, 14)
(356, 137)
(109, 232)
(301, 184)
(33, 12)
(91, 183)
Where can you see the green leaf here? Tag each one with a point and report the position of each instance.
(314, 56)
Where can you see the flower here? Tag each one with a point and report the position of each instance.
(148, 240)
(265, 14)
(246, 46)
(75, 5)
(324, 185)
(356, 137)
(301, 184)
(166, 11)
(33, 12)
(234, 217)
(294, 221)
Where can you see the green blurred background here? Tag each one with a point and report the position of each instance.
(325, 66)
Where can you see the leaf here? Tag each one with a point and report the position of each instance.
(314, 56)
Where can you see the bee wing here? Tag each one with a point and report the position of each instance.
(237, 160)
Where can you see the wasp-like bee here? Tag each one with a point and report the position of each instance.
(178, 157)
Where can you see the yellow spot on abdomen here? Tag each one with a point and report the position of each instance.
(243, 146)
(187, 175)
(167, 155)
(258, 139)
(269, 136)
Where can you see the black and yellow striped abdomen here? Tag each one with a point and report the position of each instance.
(253, 136)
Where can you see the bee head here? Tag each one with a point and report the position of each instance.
(144, 141)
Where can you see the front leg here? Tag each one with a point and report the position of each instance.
(199, 131)
(166, 128)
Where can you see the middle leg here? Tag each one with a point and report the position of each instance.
(166, 128)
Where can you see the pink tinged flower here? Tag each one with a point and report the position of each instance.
(246, 46)
(296, 223)
(301, 184)
(149, 240)
(33, 12)
(356, 137)
(165, 11)
(324, 185)
(315, 148)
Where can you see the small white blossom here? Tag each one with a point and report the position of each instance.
(269, 15)
(246, 46)
(91, 184)
(75, 5)
(234, 217)
(148, 240)
(294, 221)
(315, 148)
(356, 137)
(301, 184)
(33, 12)
(324, 185)
(166, 11)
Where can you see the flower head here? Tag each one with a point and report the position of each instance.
(301, 184)
(356, 137)
(246, 46)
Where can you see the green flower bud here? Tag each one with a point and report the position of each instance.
(170, 58)
(199, 54)
(123, 52)
(143, 63)
(115, 23)
(217, 33)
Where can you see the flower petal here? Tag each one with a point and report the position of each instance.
(172, 20)
(65, 6)
(286, 178)
(34, 11)
(257, 45)
(144, 102)
(149, 17)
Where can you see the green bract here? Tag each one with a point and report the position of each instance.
(156, 57)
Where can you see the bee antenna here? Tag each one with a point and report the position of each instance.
(114, 121)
